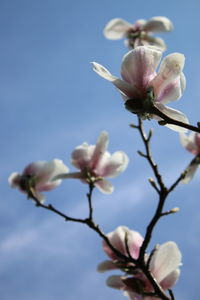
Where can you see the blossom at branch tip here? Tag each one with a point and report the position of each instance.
(96, 163)
(142, 88)
(163, 266)
(140, 33)
(191, 142)
(38, 177)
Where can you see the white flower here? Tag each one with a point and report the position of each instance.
(140, 33)
(97, 163)
(141, 85)
(39, 176)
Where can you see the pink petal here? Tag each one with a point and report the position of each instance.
(197, 140)
(158, 24)
(100, 148)
(170, 280)
(174, 114)
(104, 186)
(116, 29)
(81, 156)
(152, 41)
(123, 86)
(173, 91)
(165, 260)
(170, 69)
(138, 67)
(113, 164)
(188, 142)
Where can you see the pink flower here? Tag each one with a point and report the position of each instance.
(95, 162)
(39, 176)
(191, 142)
(140, 33)
(117, 239)
(141, 86)
(164, 266)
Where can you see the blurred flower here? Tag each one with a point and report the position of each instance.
(140, 33)
(37, 177)
(95, 163)
(191, 142)
(164, 267)
(142, 88)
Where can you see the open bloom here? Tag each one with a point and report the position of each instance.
(142, 87)
(96, 163)
(191, 142)
(164, 264)
(140, 33)
(39, 177)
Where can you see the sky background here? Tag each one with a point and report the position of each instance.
(52, 101)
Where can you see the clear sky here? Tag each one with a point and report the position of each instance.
(52, 101)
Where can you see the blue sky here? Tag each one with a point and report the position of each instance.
(52, 101)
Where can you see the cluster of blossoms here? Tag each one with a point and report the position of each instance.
(163, 264)
(94, 163)
(145, 92)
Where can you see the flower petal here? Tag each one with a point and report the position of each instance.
(106, 265)
(100, 148)
(170, 69)
(81, 156)
(173, 91)
(188, 142)
(104, 186)
(148, 40)
(113, 165)
(123, 86)
(165, 260)
(190, 171)
(115, 282)
(158, 24)
(116, 29)
(170, 280)
(138, 66)
(14, 180)
(174, 114)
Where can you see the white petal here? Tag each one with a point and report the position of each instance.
(106, 265)
(123, 86)
(138, 66)
(115, 282)
(104, 186)
(81, 156)
(188, 142)
(114, 165)
(116, 29)
(191, 170)
(153, 41)
(170, 69)
(158, 24)
(14, 179)
(174, 114)
(170, 280)
(165, 260)
(100, 148)
(173, 91)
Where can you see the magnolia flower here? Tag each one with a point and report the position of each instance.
(95, 163)
(192, 143)
(140, 33)
(38, 176)
(117, 239)
(142, 88)
(164, 267)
